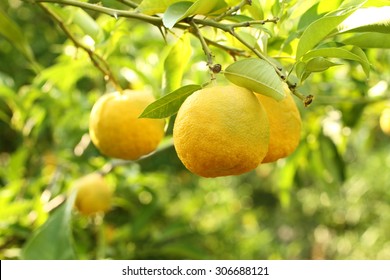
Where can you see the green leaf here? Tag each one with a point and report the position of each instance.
(176, 62)
(151, 7)
(169, 104)
(53, 240)
(373, 19)
(11, 31)
(89, 26)
(300, 69)
(364, 60)
(319, 64)
(320, 28)
(332, 160)
(316, 64)
(180, 10)
(308, 17)
(341, 52)
(256, 75)
(73, 15)
(369, 40)
(255, 10)
(238, 18)
(175, 13)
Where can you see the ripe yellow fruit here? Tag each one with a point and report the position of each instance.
(221, 131)
(116, 130)
(384, 121)
(284, 124)
(93, 194)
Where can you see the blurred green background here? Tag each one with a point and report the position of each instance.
(329, 200)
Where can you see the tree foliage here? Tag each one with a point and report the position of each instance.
(330, 199)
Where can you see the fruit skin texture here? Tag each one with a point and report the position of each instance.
(384, 121)
(285, 126)
(221, 131)
(116, 130)
(93, 194)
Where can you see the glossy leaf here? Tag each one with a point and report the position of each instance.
(89, 26)
(369, 40)
(181, 10)
(320, 28)
(373, 19)
(175, 13)
(176, 62)
(316, 64)
(256, 75)
(169, 104)
(342, 52)
(73, 15)
(255, 10)
(319, 64)
(58, 228)
(238, 18)
(308, 17)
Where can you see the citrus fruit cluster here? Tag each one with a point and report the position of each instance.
(229, 130)
(218, 131)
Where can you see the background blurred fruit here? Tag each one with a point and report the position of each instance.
(384, 121)
(93, 194)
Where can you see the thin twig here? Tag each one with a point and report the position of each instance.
(232, 51)
(205, 47)
(108, 11)
(95, 58)
(253, 22)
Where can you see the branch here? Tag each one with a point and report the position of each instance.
(108, 11)
(195, 22)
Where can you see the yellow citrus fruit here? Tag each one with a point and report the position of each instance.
(221, 131)
(284, 124)
(116, 130)
(93, 194)
(384, 121)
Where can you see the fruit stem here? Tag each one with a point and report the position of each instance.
(205, 48)
(306, 99)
